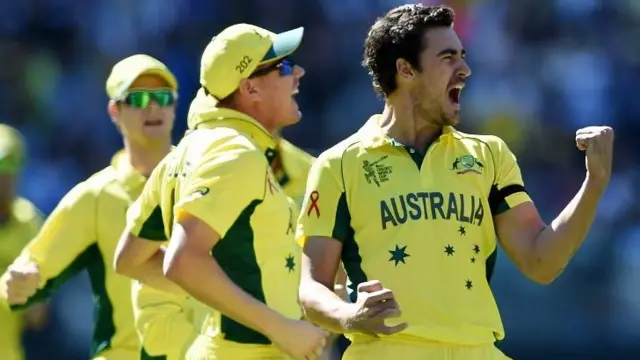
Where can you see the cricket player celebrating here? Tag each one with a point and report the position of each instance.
(215, 198)
(168, 322)
(412, 207)
(83, 230)
(19, 223)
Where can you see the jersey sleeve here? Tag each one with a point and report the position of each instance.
(324, 209)
(144, 216)
(223, 185)
(508, 189)
(64, 245)
(164, 321)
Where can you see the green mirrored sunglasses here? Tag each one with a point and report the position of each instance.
(141, 98)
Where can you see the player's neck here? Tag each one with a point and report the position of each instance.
(402, 123)
(145, 158)
(257, 115)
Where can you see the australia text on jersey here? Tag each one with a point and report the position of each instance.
(432, 205)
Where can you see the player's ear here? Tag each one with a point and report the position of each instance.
(404, 69)
(113, 109)
(248, 88)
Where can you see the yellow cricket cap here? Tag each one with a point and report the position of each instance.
(236, 52)
(12, 149)
(126, 71)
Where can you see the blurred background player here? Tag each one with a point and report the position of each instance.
(415, 208)
(20, 221)
(83, 230)
(215, 196)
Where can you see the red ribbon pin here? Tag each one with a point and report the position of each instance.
(314, 196)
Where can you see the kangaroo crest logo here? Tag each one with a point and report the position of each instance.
(467, 163)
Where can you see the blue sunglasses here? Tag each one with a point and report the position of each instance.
(285, 66)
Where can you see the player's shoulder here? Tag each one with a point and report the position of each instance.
(221, 146)
(25, 211)
(295, 155)
(100, 179)
(92, 187)
(216, 140)
(493, 142)
(348, 147)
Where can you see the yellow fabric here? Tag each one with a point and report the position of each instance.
(382, 350)
(12, 149)
(421, 227)
(23, 225)
(164, 321)
(236, 52)
(205, 348)
(219, 173)
(126, 71)
(81, 234)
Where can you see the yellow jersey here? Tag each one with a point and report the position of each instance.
(168, 323)
(420, 224)
(221, 173)
(22, 226)
(81, 234)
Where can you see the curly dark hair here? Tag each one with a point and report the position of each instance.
(399, 34)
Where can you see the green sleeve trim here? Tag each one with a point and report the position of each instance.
(145, 356)
(235, 253)
(153, 227)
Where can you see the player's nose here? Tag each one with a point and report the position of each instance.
(153, 107)
(298, 71)
(464, 71)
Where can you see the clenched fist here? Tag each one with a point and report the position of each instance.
(19, 283)
(597, 143)
(300, 340)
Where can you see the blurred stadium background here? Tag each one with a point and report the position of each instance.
(541, 69)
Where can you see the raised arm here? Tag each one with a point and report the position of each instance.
(539, 250)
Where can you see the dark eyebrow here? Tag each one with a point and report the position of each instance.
(452, 52)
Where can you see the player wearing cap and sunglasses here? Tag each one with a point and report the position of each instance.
(215, 199)
(83, 230)
(168, 323)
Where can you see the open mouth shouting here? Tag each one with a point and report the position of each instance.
(454, 93)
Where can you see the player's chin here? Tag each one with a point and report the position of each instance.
(157, 132)
(453, 119)
(292, 120)
(452, 114)
(294, 115)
